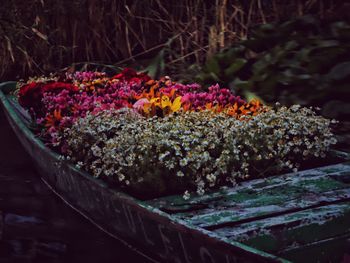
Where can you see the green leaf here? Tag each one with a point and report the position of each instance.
(241, 84)
(214, 76)
(235, 66)
(157, 65)
(248, 95)
(212, 65)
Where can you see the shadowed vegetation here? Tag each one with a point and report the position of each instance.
(44, 36)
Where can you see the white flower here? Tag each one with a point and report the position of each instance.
(210, 148)
(180, 174)
(186, 195)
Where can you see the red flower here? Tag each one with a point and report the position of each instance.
(30, 95)
(130, 75)
(59, 86)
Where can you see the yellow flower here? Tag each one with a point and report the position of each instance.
(148, 109)
(165, 102)
(155, 101)
(176, 104)
(170, 107)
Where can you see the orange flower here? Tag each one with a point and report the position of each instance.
(208, 106)
(147, 95)
(186, 106)
(232, 110)
(53, 120)
(252, 108)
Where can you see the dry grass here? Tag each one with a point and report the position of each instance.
(47, 35)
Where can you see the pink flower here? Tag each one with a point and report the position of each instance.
(138, 105)
(186, 98)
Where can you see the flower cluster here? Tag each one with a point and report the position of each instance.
(31, 95)
(182, 137)
(56, 104)
(194, 150)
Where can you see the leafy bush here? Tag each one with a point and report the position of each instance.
(303, 61)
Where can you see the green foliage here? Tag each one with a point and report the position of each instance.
(303, 61)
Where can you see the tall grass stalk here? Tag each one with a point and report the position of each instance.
(41, 36)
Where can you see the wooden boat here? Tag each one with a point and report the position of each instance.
(288, 218)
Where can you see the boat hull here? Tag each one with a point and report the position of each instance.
(151, 232)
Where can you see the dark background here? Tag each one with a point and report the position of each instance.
(42, 36)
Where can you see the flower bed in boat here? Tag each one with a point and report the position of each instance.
(156, 137)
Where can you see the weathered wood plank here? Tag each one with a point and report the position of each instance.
(320, 232)
(268, 198)
(335, 249)
(242, 214)
(292, 230)
(176, 204)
